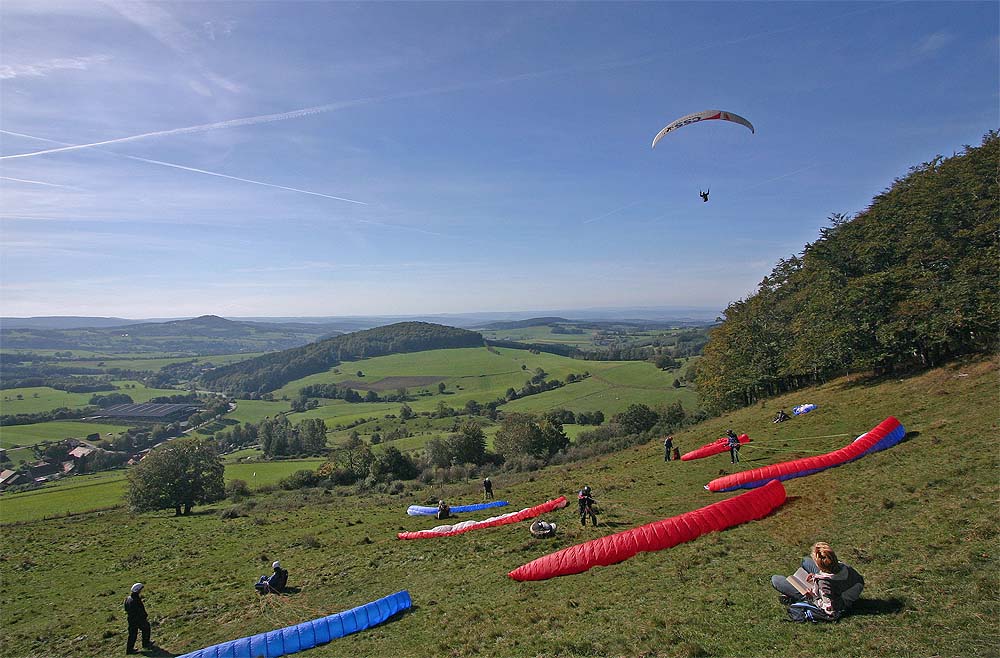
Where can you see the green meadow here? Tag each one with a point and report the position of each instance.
(154, 364)
(917, 520)
(481, 375)
(56, 430)
(38, 399)
(83, 493)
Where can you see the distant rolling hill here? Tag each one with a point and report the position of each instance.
(271, 371)
(208, 334)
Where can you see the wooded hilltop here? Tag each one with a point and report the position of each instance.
(910, 282)
(271, 371)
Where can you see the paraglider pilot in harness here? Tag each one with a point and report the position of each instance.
(586, 502)
(275, 583)
(704, 195)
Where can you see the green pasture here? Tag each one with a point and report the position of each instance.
(542, 334)
(16, 455)
(254, 411)
(246, 453)
(155, 364)
(261, 473)
(79, 493)
(56, 430)
(82, 493)
(473, 368)
(918, 520)
(39, 399)
(480, 375)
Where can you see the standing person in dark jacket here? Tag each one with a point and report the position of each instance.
(734, 447)
(586, 502)
(668, 445)
(137, 620)
(487, 489)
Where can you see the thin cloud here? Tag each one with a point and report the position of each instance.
(153, 19)
(41, 69)
(933, 43)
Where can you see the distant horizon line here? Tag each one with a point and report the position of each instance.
(625, 312)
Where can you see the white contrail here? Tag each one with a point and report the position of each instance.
(232, 123)
(613, 212)
(244, 180)
(199, 171)
(37, 182)
(296, 114)
(777, 178)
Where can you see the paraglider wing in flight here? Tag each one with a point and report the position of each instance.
(705, 115)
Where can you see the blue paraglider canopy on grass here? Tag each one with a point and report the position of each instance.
(309, 634)
(421, 510)
(803, 409)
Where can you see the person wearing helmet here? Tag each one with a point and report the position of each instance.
(138, 620)
(487, 489)
(586, 503)
(444, 510)
(275, 582)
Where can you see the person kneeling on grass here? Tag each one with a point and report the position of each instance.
(444, 510)
(835, 585)
(275, 583)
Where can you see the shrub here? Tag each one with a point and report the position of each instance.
(237, 490)
(299, 480)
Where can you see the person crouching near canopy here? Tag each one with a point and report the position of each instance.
(444, 510)
(835, 585)
(275, 583)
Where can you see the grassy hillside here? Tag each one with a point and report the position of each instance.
(84, 493)
(483, 375)
(56, 430)
(917, 520)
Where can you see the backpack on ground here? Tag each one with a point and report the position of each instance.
(802, 612)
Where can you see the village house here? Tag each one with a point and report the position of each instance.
(9, 478)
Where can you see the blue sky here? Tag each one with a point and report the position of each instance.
(279, 159)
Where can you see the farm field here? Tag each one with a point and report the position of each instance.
(480, 375)
(38, 399)
(921, 530)
(56, 430)
(254, 411)
(541, 334)
(82, 493)
(154, 364)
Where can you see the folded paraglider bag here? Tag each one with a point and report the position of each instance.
(802, 612)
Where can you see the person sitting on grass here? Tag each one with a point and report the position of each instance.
(275, 583)
(444, 510)
(835, 585)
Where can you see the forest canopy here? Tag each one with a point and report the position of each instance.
(908, 283)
